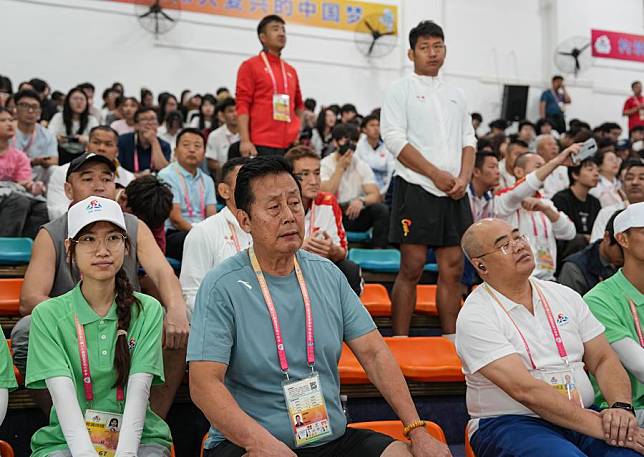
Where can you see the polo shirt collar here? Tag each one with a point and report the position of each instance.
(506, 302)
(630, 291)
(186, 174)
(86, 315)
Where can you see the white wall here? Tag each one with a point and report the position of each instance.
(489, 43)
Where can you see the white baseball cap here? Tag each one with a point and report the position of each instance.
(93, 209)
(631, 217)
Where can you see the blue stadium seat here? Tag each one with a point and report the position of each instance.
(174, 263)
(359, 237)
(15, 251)
(433, 267)
(220, 206)
(378, 260)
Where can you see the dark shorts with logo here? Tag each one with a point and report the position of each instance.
(418, 217)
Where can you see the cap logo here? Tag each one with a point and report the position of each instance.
(93, 206)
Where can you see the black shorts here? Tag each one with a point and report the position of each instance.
(418, 217)
(354, 443)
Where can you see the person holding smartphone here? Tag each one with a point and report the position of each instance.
(353, 183)
(98, 348)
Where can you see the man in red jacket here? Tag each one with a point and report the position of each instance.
(269, 100)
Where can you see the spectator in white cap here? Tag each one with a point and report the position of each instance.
(97, 348)
(618, 303)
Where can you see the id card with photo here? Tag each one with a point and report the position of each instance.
(103, 431)
(281, 108)
(544, 259)
(563, 381)
(307, 410)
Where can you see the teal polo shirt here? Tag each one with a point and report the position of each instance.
(231, 325)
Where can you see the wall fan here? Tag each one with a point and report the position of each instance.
(375, 35)
(572, 55)
(158, 16)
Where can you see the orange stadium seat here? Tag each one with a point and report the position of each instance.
(468, 448)
(394, 429)
(427, 359)
(10, 296)
(172, 451)
(351, 372)
(16, 373)
(426, 299)
(6, 450)
(203, 444)
(376, 299)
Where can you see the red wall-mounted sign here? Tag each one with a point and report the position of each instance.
(617, 45)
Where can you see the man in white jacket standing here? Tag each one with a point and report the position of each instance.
(426, 126)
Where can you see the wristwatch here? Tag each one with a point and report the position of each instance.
(625, 406)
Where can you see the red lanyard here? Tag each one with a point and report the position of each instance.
(186, 195)
(636, 319)
(84, 359)
(551, 322)
(279, 342)
(233, 236)
(535, 230)
(136, 154)
(272, 75)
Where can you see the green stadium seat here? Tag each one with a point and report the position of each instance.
(15, 251)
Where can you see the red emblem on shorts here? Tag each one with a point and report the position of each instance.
(406, 223)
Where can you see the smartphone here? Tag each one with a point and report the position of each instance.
(588, 150)
(348, 146)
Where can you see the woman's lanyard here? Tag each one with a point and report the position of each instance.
(272, 75)
(84, 360)
(186, 195)
(636, 320)
(551, 322)
(279, 342)
(535, 230)
(233, 236)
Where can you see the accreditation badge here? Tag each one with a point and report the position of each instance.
(307, 410)
(563, 380)
(544, 259)
(281, 108)
(103, 431)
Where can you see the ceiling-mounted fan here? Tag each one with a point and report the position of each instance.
(158, 16)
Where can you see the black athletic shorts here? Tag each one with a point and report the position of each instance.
(418, 217)
(354, 443)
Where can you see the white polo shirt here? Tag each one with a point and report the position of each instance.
(219, 142)
(353, 179)
(485, 333)
(207, 244)
(432, 116)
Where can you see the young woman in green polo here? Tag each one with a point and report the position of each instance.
(7, 378)
(98, 349)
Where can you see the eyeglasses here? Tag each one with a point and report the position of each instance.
(28, 107)
(507, 247)
(91, 243)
